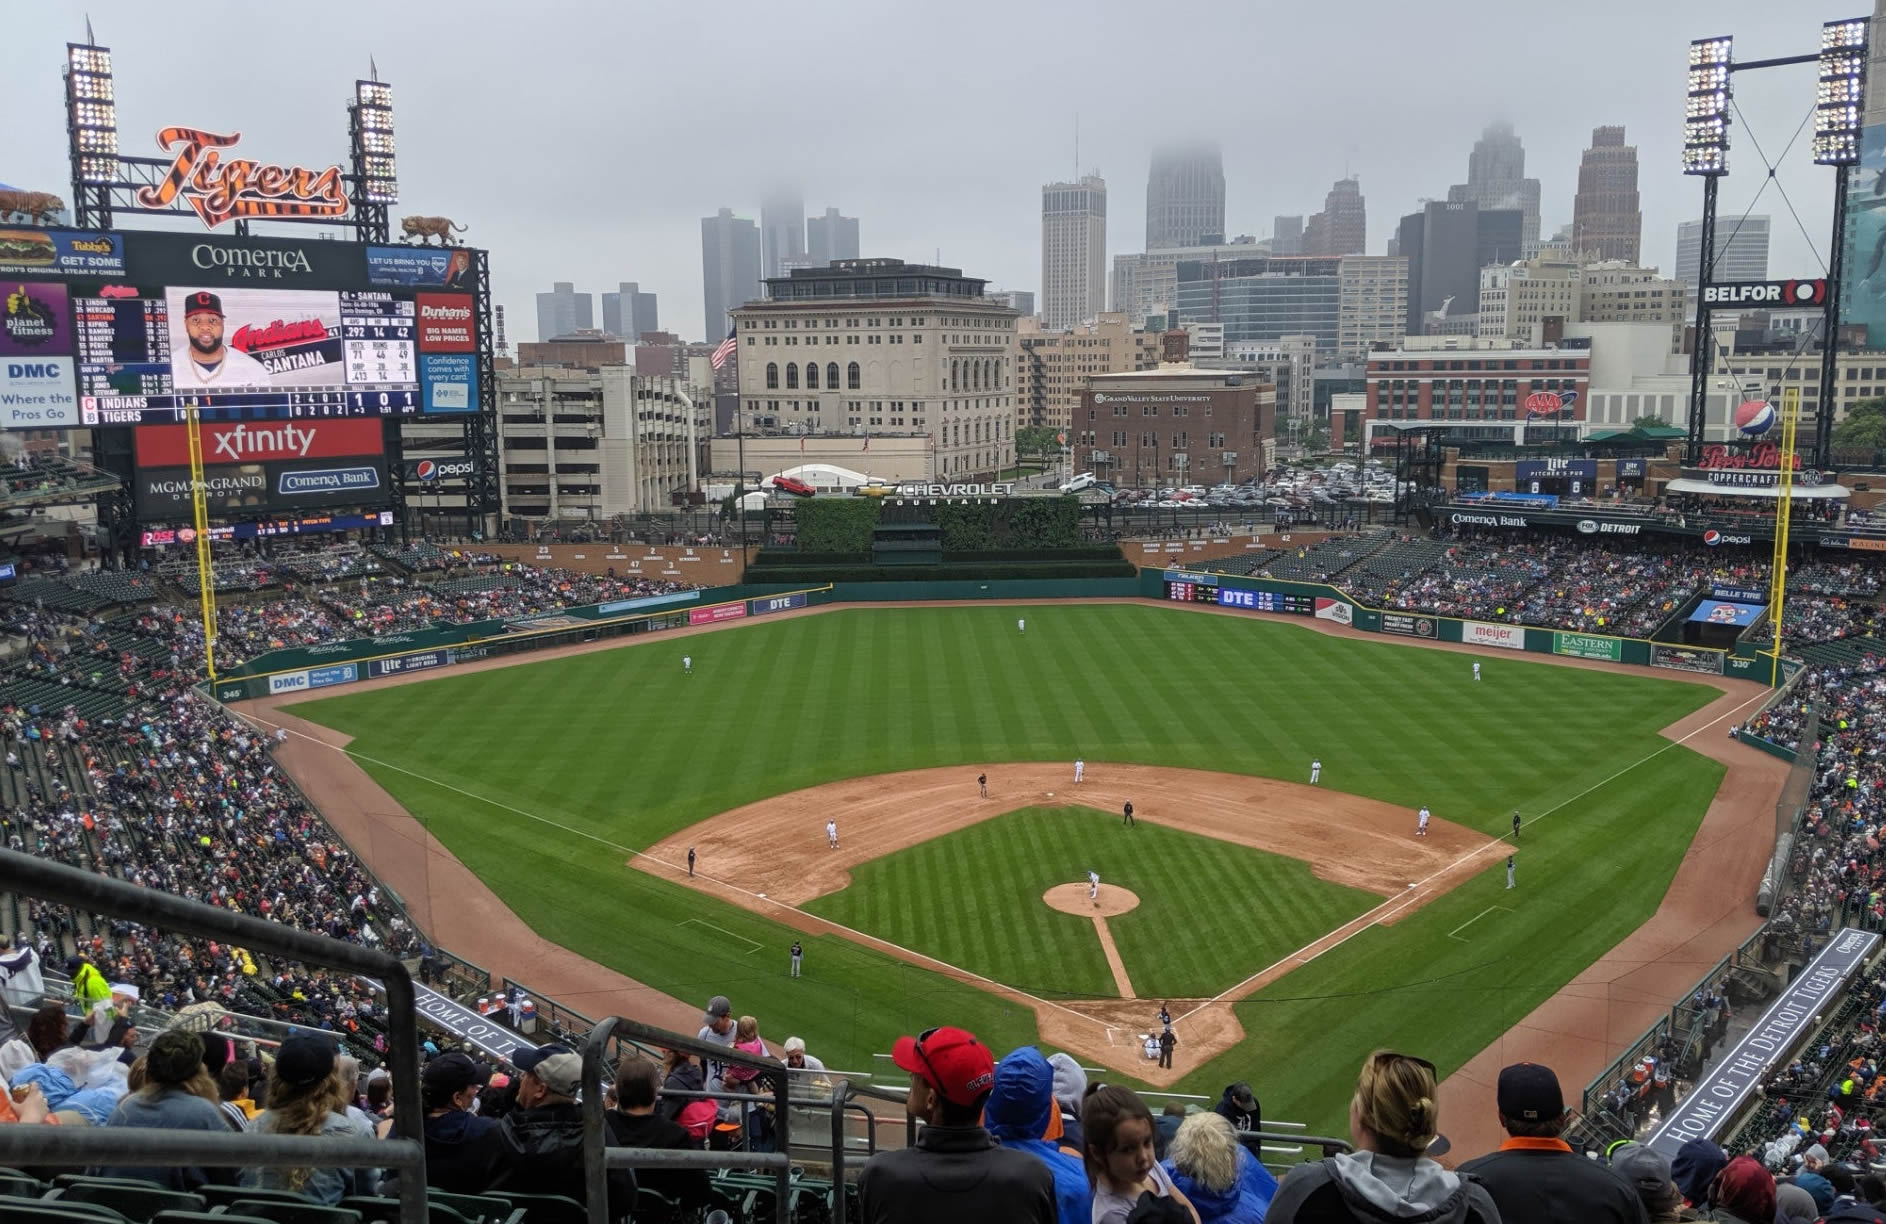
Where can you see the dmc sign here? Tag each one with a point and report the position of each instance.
(1786, 294)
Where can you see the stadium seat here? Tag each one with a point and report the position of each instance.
(52, 1211)
(442, 1208)
(544, 1208)
(133, 1200)
(225, 1196)
(278, 1212)
(204, 1217)
(654, 1207)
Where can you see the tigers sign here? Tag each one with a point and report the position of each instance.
(222, 190)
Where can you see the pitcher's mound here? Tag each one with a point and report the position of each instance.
(1072, 899)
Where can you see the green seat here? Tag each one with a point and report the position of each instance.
(303, 1212)
(375, 1210)
(544, 1208)
(223, 1196)
(52, 1211)
(204, 1217)
(21, 1185)
(475, 1207)
(654, 1207)
(134, 1201)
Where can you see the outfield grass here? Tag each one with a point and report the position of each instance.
(621, 749)
(916, 897)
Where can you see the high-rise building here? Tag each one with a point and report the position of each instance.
(1496, 179)
(1607, 222)
(564, 312)
(1342, 228)
(1021, 301)
(1374, 304)
(730, 269)
(1741, 250)
(629, 312)
(1286, 236)
(1265, 299)
(1148, 283)
(1185, 196)
(782, 229)
(830, 237)
(1446, 244)
(1073, 251)
(1052, 367)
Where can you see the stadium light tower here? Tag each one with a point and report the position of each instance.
(376, 162)
(92, 130)
(1842, 86)
(1705, 155)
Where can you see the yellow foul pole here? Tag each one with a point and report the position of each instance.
(206, 576)
(1784, 507)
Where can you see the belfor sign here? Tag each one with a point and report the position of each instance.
(1787, 294)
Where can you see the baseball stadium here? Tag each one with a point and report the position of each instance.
(399, 828)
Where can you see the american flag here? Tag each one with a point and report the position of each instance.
(725, 350)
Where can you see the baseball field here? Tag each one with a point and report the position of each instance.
(573, 787)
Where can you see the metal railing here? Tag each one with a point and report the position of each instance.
(599, 1158)
(67, 1147)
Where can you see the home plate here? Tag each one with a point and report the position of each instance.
(1411, 886)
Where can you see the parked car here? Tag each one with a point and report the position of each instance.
(793, 485)
(1083, 481)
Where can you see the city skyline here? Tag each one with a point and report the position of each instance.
(964, 188)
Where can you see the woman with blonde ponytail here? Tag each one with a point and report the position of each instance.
(1390, 1176)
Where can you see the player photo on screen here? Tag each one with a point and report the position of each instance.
(254, 339)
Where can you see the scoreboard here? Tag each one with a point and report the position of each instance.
(1196, 590)
(279, 355)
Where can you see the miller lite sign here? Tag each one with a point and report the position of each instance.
(1777, 295)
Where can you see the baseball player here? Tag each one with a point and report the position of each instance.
(1080, 769)
(1515, 824)
(982, 784)
(1476, 671)
(690, 862)
(687, 665)
(831, 833)
(1421, 828)
(1021, 625)
(1093, 887)
(798, 953)
(1129, 813)
(209, 362)
(1509, 871)
(1316, 770)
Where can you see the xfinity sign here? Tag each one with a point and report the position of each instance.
(1782, 294)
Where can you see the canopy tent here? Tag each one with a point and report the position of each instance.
(823, 476)
(1802, 492)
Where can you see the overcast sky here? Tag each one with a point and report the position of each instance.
(584, 141)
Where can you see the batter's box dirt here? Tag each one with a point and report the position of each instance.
(777, 851)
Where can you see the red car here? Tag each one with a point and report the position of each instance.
(793, 485)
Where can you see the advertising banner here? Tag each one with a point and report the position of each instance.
(722, 612)
(645, 602)
(448, 382)
(445, 323)
(1686, 658)
(288, 682)
(1336, 610)
(38, 252)
(254, 339)
(336, 673)
(775, 603)
(155, 258)
(1264, 601)
(1721, 1091)
(267, 528)
(38, 393)
(419, 267)
(399, 666)
(1410, 626)
(1739, 594)
(35, 320)
(164, 493)
(1506, 637)
(1724, 612)
(258, 442)
(427, 470)
(1633, 469)
(1584, 646)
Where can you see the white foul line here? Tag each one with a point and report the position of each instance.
(1455, 933)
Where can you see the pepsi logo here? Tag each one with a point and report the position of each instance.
(1712, 537)
(428, 470)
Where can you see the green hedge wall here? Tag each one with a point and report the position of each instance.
(836, 524)
(817, 575)
(1081, 552)
(1025, 524)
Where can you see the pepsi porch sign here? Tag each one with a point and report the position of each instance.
(38, 393)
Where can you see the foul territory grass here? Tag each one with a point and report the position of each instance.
(620, 748)
(1000, 868)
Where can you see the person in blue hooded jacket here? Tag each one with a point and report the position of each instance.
(1227, 1185)
(1021, 1114)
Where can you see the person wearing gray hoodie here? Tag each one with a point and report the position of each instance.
(1393, 1120)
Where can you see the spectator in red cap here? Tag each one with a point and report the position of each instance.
(1744, 1192)
(956, 1171)
(1536, 1176)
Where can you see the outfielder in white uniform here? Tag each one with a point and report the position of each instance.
(1093, 887)
(687, 664)
(1316, 771)
(1421, 830)
(831, 833)
(1476, 671)
(1080, 769)
(1021, 625)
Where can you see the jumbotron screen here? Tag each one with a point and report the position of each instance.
(147, 357)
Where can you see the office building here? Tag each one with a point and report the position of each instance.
(1373, 303)
(1073, 251)
(588, 350)
(1204, 342)
(1052, 368)
(1496, 180)
(835, 356)
(1342, 228)
(1612, 291)
(1446, 244)
(1021, 301)
(1607, 221)
(730, 269)
(1521, 299)
(1474, 389)
(564, 312)
(830, 237)
(782, 230)
(1289, 365)
(1265, 299)
(1185, 197)
(590, 444)
(629, 312)
(1177, 424)
(1145, 284)
(1741, 250)
(1286, 236)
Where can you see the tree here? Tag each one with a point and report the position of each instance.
(1648, 422)
(1037, 440)
(1864, 428)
